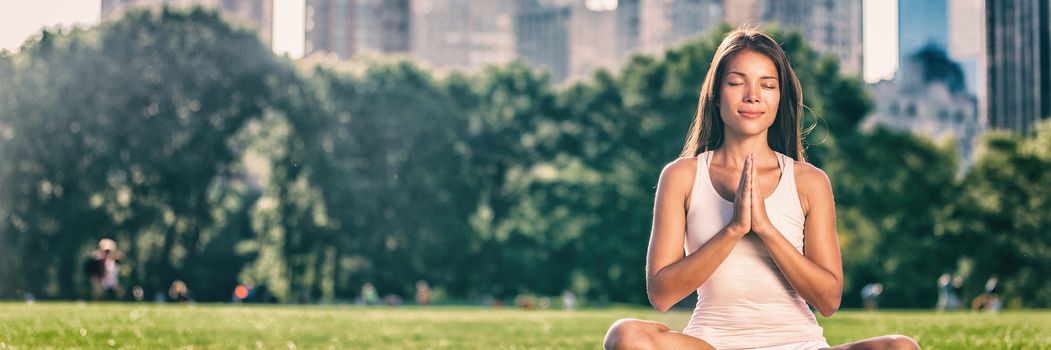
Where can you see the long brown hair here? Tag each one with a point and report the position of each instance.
(784, 135)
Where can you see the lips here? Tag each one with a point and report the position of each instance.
(750, 114)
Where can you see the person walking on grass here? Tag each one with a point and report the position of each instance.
(742, 219)
(103, 269)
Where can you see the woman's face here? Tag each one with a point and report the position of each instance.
(749, 94)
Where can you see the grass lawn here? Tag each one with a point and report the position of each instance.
(151, 326)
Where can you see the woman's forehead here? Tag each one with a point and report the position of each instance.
(750, 63)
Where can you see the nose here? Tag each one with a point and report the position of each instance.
(751, 94)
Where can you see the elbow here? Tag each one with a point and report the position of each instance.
(660, 304)
(831, 300)
(828, 311)
(829, 308)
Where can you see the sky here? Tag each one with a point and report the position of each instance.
(21, 19)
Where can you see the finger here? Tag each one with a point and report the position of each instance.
(741, 185)
(757, 195)
(751, 180)
(739, 192)
(744, 176)
(747, 176)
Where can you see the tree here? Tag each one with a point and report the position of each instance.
(1000, 218)
(133, 151)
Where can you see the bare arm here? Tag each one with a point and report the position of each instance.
(669, 276)
(817, 274)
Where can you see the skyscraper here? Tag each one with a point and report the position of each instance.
(921, 22)
(542, 35)
(348, 27)
(668, 22)
(928, 96)
(743, 12)
(462, 34)
(573, 38)
(1019, 63)
(967, 41)
(829, 26)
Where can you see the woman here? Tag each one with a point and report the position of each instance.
(732, 215)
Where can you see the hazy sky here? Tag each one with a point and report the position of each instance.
(21, 18)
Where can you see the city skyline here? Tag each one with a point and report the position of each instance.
(289, 28)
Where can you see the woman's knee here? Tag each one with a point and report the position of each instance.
(901, 342)
(628, 333)
(888, 342)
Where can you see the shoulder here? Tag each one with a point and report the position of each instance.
(678, 174)
(680, 169)
(809, 175)
(813, 184)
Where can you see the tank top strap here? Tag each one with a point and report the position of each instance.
(789, 180)
(700, 179)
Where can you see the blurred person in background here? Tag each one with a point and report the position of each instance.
(990, 298)
(870, 295)
(369, 296)
(948, 298)
(179, 292)
(569, 300)
(423, 293)
(103, 269)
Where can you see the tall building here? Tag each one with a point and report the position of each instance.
(922, 22)
(1018, 63)
(256, 14)
(629, 28)
(462, 34)
(573, 38)
(829, 26)
(542, 35)
(967, 41)
(743, 12)
(928, 96)
(954, 25)
(669, 22)
(593, 40)
(349, 27)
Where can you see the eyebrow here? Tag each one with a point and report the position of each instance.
(745, 75)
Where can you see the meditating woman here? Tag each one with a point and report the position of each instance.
(742, 219)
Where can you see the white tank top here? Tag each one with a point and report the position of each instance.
(747, 302)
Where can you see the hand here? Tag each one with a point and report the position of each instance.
(760, 222)
(741, 222)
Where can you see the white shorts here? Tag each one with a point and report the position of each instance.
(803, 345)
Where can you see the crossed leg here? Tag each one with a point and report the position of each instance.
(633, 333)
(630, 333)
(887, 342)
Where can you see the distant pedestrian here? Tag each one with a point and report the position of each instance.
(990, 298)
(569, 301)
(179, 292)
(103, 269)
(870, 295)
(948, 299)
(423, 293)
(369, 296)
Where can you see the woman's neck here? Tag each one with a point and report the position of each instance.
(734, 150)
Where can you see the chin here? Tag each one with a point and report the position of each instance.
(747, 130)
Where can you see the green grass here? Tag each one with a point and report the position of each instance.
(151, 326)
